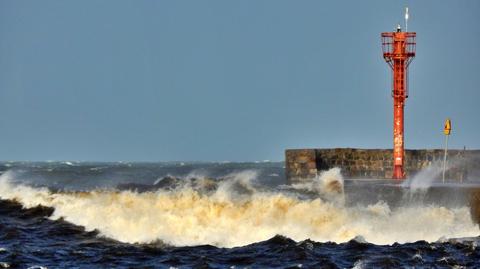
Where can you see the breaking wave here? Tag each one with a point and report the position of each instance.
(237, 213)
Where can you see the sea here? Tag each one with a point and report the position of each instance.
(230, 215)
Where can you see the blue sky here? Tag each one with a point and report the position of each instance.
(227, 80)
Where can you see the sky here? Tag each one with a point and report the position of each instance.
(191, 80)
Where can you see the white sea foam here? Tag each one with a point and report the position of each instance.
(329, 184)
(158, 180)
(237, 214)
(360, 264)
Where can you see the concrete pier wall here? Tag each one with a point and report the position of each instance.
(303, 164)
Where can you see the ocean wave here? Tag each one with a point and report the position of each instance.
(236, 213)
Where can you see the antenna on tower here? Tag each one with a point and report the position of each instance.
(406, 19)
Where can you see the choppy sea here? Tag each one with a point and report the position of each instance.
(230, 215)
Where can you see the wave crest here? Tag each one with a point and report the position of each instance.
(237, 214)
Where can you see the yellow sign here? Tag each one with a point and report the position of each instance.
(448, 127)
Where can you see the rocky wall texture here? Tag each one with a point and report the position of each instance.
(303, 164)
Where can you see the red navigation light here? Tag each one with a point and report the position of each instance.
(398, 51)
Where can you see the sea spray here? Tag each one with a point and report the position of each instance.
(431, 175)
(329, 185)
(425, 178)
(415, 188)
(237, 214)
(426, 186)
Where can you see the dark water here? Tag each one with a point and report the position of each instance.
(28, 238)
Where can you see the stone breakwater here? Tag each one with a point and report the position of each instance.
(302, 164)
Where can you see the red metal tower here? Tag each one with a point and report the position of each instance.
(398, 51)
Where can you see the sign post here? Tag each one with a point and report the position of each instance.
(446, 130)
